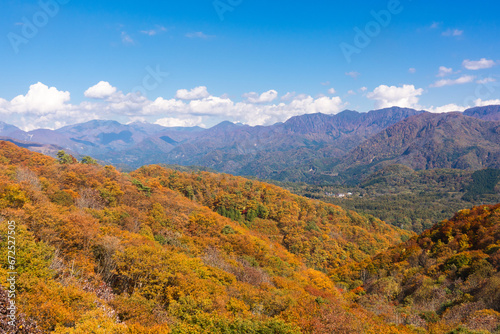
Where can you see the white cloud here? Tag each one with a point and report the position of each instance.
(50, 108)
(412, 70)
(265, 97)
(180, 122)
(351, 92)
(193, 94)
(481, 103)
(353, 74)
(161, 105)
(455, 107)
(435, 25)
(331, 91)
(325, 105)
(363, 89)
(4, 106)
(45, 107)
(212, 105)
(199, 34)
(481, 64)
(450, 82)
(405, 96)
(444, 71)
(453, 33)
(126, 39)
(446, 108)
(155, 31)
(101, 90)
(326, 83)
(40, 100)
(288, 96)
(246, 112)
(486, 80)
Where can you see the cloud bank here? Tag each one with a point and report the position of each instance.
(48, 107)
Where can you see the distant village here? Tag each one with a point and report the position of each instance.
(339, 195)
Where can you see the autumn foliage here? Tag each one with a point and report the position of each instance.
(447, 278)
(160, 251)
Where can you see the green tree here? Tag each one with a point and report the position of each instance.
(88, 160)
(64, 158)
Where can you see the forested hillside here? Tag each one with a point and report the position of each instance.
(410, 199)
(446, 277)
(99, 251)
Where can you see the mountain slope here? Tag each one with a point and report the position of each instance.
(7, 129)
(429, 141)
(103, 251)
(447, 276)
(291, 149)
(488, 113)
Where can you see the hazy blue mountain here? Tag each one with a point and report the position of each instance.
(311, 147)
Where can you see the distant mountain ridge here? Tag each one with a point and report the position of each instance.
(428, 141)
(7, 129)
(290, 148)
(311, 147)
(490, 113)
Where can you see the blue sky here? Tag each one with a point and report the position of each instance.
(256, 62)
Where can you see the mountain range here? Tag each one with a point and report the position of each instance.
(429, 141)
(314, 147)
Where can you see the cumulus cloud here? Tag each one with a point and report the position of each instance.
(50, 108)
(245, 112)
(161, 105)
(40, 100)
(193, 94)
(325, 105)
(180, 122)
(444, 71)
(265, 97)
(481, 103)
(44, 107)
(289, 96)
(406, 96)
(252, 112)
(331, 91)
(481, 64)
(455, 107)
(101, 90)
(4, 105)
(451, 82)
(212, 105)
(446, 108)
